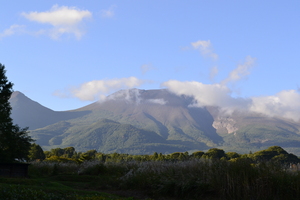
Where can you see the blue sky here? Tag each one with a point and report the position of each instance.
(67, 54)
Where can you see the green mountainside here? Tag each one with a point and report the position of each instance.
(147, 121)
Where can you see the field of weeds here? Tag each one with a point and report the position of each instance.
(188, 179)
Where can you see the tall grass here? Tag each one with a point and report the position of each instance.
(44, 169)
(190, 179)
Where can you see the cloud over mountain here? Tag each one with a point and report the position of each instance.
(98, 89)
(284, 104)
(207, 94)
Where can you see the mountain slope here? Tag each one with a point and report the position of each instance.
(244, 132)
(28, 113)
(104, 136)
(145, 121)
(168, 115)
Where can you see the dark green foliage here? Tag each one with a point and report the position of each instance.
(89, 155)
(232, 155)
(276, 154)
(36, 153)
(69, 152)
(198, 154)
(286, 158)
(215, 153)
(273, 154)
(14, 141)
(176, 155)
(57, 152)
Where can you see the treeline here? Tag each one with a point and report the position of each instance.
(275, 154)
(264, 175)
(270, 174)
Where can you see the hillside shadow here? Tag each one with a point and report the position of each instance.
(205, 120)
(39, 120)
(163, 131)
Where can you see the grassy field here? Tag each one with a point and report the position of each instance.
(57, 187)
(189, 179)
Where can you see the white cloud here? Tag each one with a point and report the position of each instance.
(98, 89)
(205, 48)
(109, 12)
(241, 71)
(207, 94)
(284, 104)
(13, 29)
(64, 20)
(157, 101)
(133, 96)
(129, 95)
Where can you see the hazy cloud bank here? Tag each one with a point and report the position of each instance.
(13, 29)
(146, 68)
(108, 13)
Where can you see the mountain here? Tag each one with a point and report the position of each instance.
(28, 113)
(146, 121)
(252, 131)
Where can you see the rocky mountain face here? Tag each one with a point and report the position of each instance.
(147, 121)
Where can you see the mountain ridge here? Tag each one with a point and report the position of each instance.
(29, 113)
(176, 125)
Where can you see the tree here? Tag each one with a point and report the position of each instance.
(197, 154)
(69, 152)
(214, 153)
(14, 141)
(232, 155)
(57, 152)
(275, 153)
(36, 153)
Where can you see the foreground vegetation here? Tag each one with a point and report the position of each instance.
(48, 188)
(268, 174)
(190, 179)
